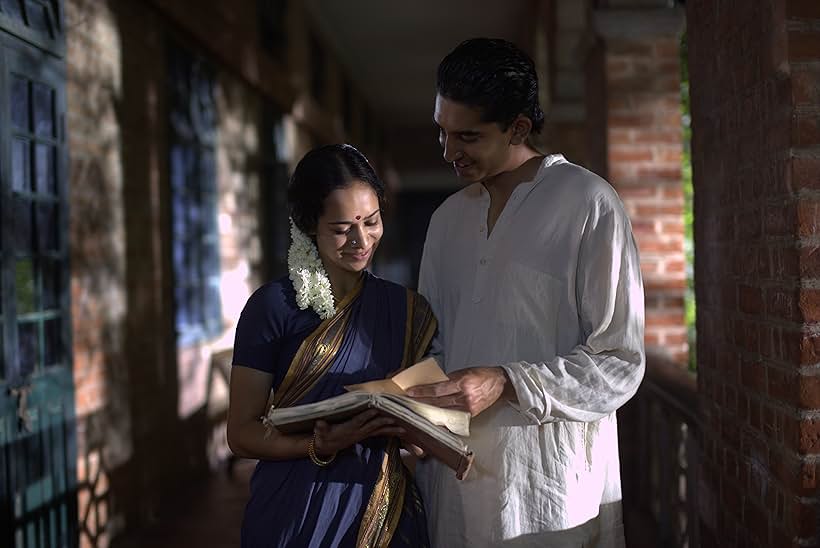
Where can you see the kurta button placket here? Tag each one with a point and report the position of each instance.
(483, 248)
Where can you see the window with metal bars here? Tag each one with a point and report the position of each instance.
(38, 480)
(33, 243)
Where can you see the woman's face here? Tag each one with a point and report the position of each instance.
(348, 232)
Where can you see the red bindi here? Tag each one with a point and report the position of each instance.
(358, 217)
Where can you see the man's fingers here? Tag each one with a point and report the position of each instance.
(433, 390)
(456, 401)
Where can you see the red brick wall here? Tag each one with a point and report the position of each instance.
(643, 161)
(755, 82)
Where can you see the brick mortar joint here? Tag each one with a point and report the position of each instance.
(807, 109)
(808, 241)
(786, 367)
(808, 414)
(810, 500)
(805, 459)
(779, 364)
(789, 411)
(804, 193)
(806, 152)
(803, 64)
(769, 322)
(802, 25)
(809, 370)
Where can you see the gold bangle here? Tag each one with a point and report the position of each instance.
(312, 454)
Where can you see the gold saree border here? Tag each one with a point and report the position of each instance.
(424, 325)
(316, 353)
(384, 509)
(381, 517)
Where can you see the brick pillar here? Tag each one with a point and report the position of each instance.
(640, 105)
(755, 82)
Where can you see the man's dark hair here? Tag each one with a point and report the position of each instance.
(320, 172)
(494, 76)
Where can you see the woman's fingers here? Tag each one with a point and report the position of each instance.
(388, 431)
(335, 437)
(413, 449)
(375, 424)
(362, 418)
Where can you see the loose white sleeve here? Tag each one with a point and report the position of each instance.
(603, 372)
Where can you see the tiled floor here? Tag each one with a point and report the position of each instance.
(213, 518)
(211, 521)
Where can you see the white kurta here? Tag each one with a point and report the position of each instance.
(554, 296)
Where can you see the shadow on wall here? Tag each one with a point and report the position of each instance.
(98, 271)
(134, 451)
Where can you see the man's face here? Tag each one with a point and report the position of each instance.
(478, 150)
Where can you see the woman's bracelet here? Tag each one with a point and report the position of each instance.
(312, 454)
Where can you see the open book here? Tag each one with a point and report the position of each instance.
(434, 429)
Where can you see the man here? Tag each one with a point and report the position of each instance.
(534, 276)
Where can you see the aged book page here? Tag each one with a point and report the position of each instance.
(436, 430)
(426, 371)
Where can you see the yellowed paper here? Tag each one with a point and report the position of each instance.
(426, 371)
(385, 386)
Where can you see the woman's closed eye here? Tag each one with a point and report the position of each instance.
(345, 232)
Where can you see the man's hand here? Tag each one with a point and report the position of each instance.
(473, 389)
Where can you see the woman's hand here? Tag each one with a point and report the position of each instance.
(331, 438)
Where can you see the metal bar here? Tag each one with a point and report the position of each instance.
(664, 416)
(6, 491)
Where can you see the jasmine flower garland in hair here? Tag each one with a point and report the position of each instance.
(308, 275)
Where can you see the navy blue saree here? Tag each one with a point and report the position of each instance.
(366, 496)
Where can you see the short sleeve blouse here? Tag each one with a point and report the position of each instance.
(271, 328)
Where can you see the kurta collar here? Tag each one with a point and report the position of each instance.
(523, 189)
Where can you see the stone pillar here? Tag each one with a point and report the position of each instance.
(755, 82)
(634, 93)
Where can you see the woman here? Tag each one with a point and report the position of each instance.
(328, 324)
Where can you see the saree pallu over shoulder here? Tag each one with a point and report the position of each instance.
(386, 505)
(420, 329)
(316, 353)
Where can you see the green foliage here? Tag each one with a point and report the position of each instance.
(688, 207)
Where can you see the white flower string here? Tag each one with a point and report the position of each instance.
(308, 275)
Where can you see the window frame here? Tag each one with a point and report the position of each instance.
(50, 73)
(197, 295)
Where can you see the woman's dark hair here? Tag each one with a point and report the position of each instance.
(494, 76)
(320, 172)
